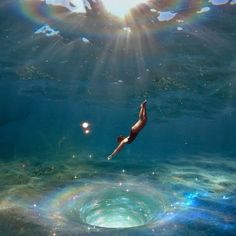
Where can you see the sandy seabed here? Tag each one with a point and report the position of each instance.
(192, 195)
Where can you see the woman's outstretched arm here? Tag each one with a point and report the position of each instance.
(119, 147)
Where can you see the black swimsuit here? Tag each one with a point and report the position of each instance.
(132, 136)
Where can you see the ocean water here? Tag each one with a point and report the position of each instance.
(68, 64)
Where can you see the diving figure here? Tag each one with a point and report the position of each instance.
(135, 129)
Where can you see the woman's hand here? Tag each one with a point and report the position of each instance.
(109, 157)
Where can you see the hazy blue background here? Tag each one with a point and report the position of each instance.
(49, 85)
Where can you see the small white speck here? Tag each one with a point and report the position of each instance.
(87, 131)
(127, 29)
(123, 171)
(225, 198)
(204, 9)
(179, 28)
(153, 10)
(35, 205)
(85, 40)
(180, 21)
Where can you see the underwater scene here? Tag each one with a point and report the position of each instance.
(117, 117)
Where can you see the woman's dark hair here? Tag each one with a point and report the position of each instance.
(120, 138)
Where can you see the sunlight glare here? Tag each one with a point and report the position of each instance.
(121, 8)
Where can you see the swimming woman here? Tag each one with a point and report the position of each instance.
(135, 129)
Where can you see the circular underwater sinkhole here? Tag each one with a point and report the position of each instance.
(118, 209)
(112, 207)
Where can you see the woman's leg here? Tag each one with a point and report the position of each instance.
(144, 111)
(142, 118)
(141, 112)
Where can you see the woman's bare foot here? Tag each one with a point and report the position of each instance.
(144, 102)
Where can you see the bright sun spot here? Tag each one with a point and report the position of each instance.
(85, 125)
(121, 8)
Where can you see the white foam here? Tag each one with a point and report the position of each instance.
(218, 2)
(153, 10)
(204, 9)
(233, 2)
(47, 30)
(127, 29)
(87, 4)
(85, 40)
(166, 16)
(72, 5)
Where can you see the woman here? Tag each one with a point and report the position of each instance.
(135, 129)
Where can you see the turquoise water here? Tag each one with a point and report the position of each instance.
(61, 67)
